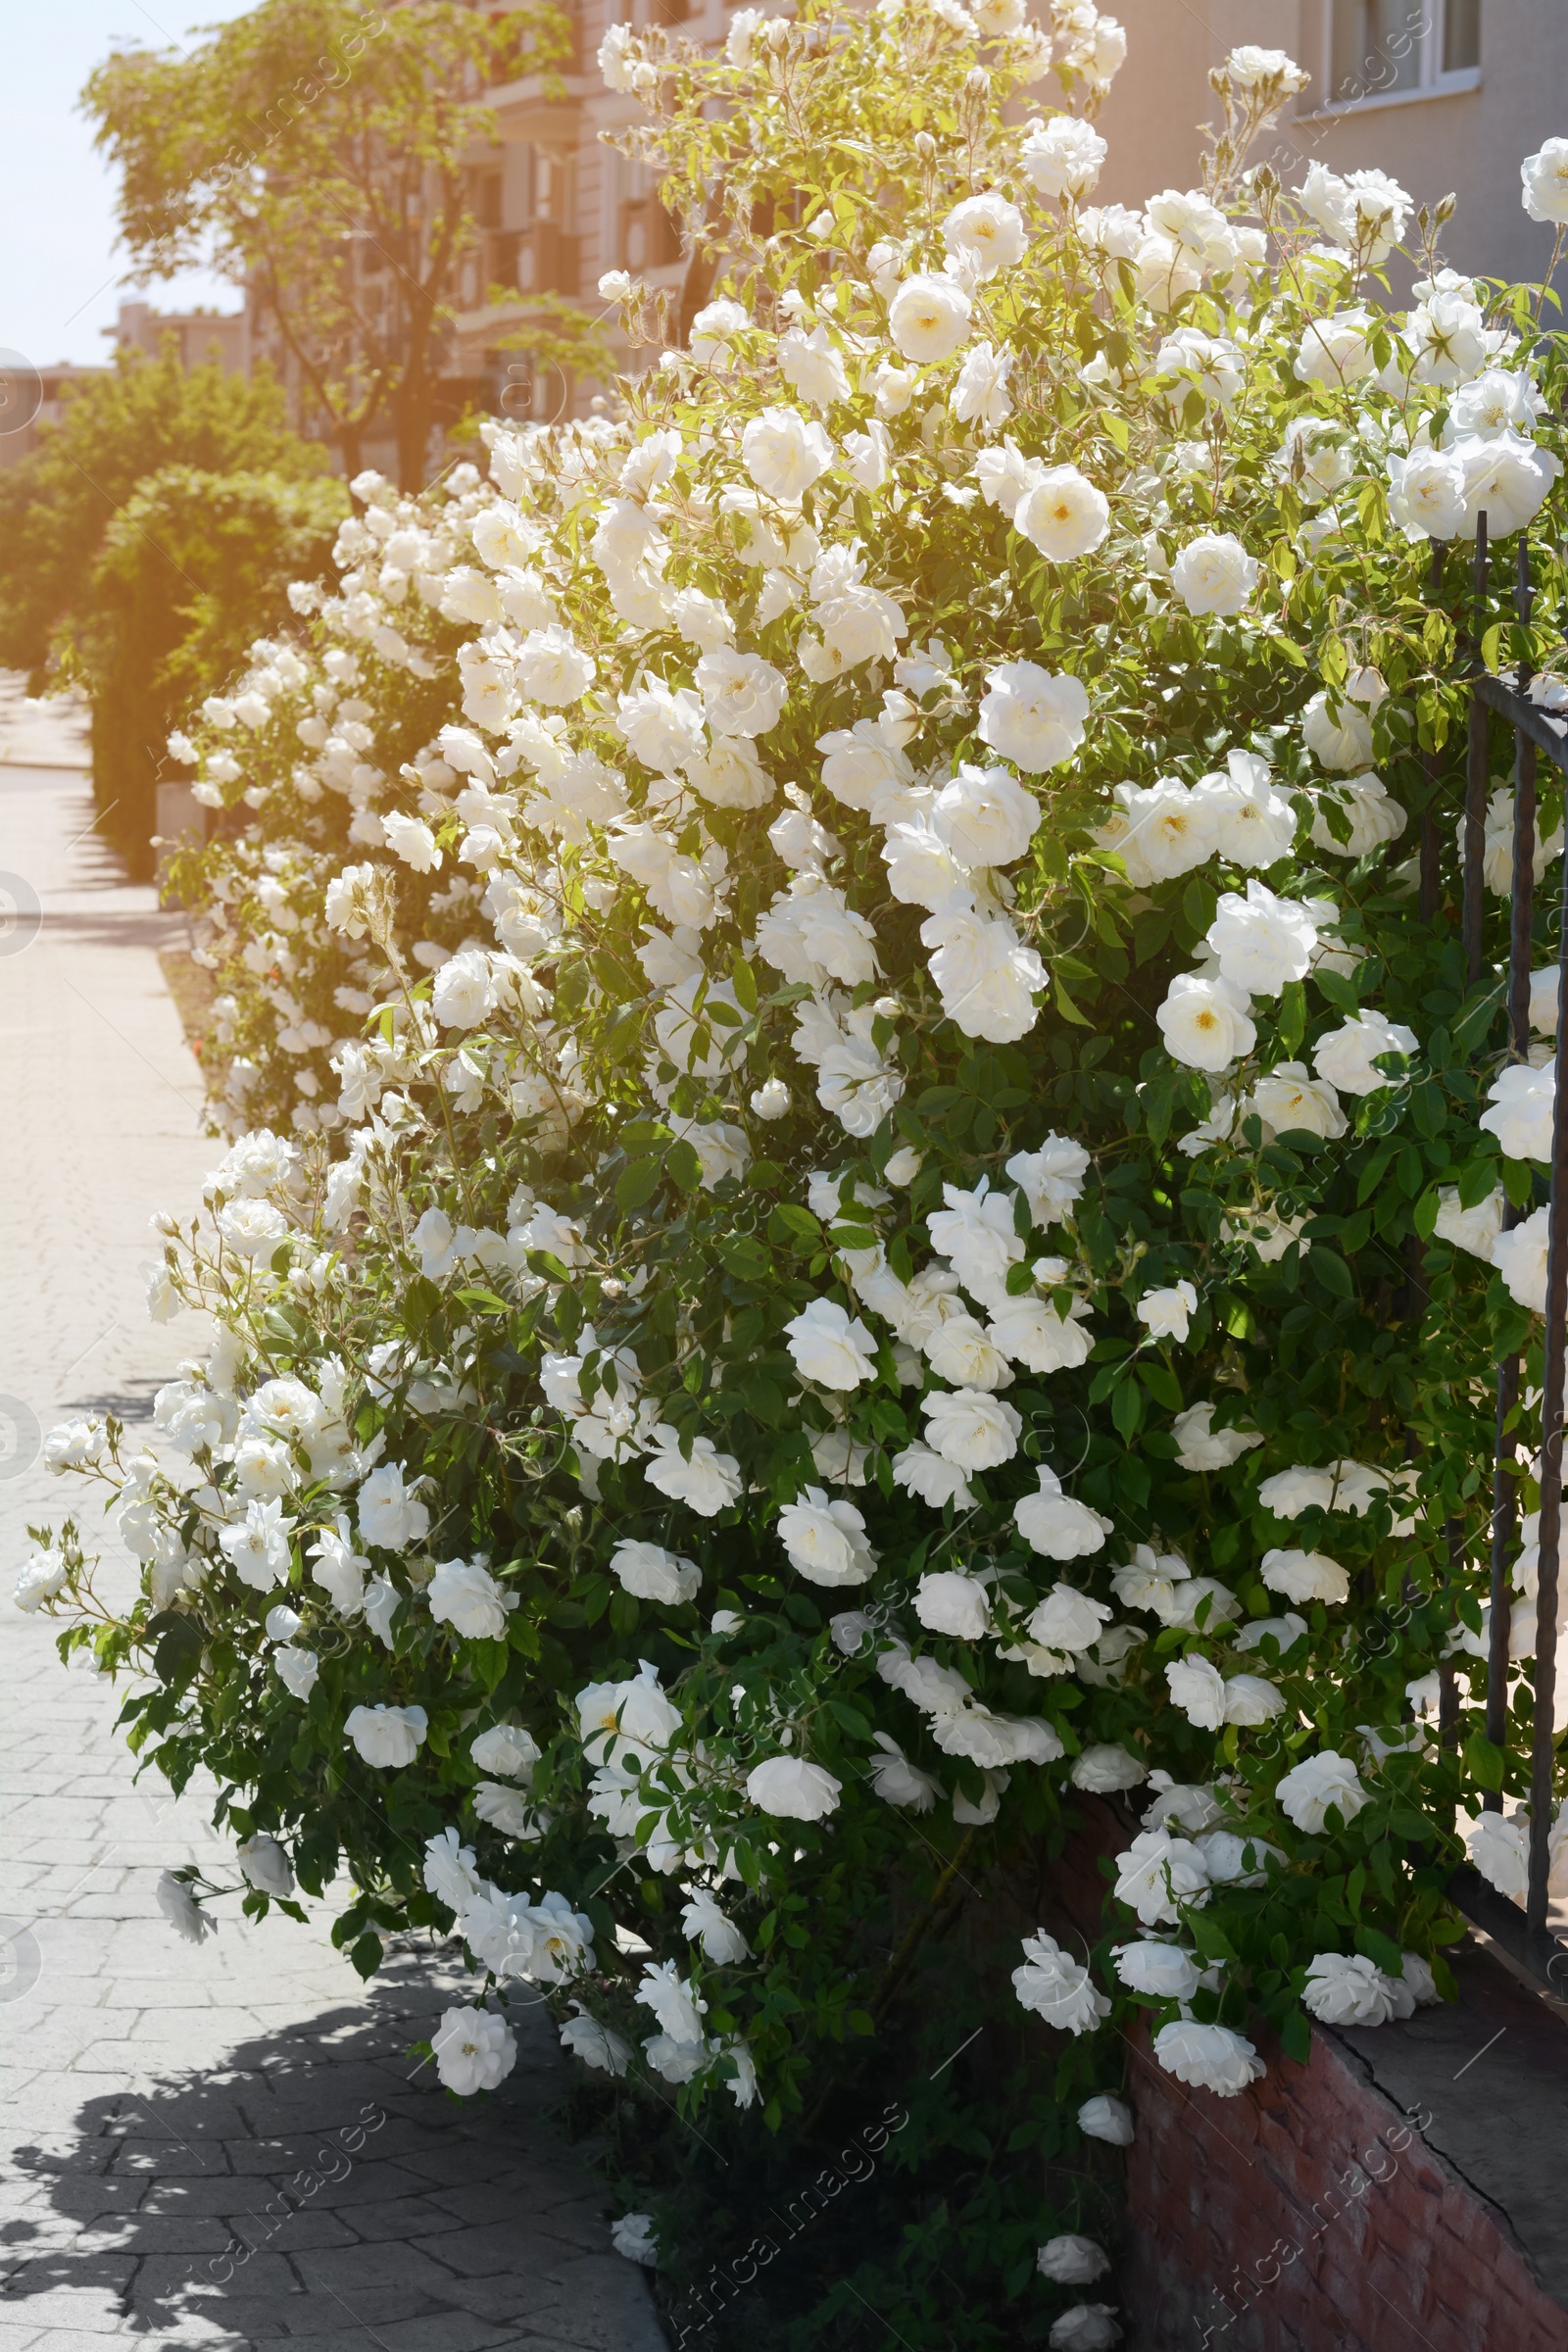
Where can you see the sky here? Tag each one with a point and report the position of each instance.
(59, 266)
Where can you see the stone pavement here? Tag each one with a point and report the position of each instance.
(221, 2147)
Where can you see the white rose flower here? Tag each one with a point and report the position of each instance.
(1521, 1104)
(410, 839)
(1208, 2057)
(632, 2236)
(651, 1573)
(1290, 1100)
(1215, 573)
(1520, 1257)
(1051, 1178)
(264, 1865)
(552, 669)
(1030, 1332)
(509, 1811)
(463, 1594)
(783, 454)
(1202, 1446)
(830, 1346)
(473, 2050)
(1336, 350)
(1341, 739)
(1506, 478)
(595, 2044)
(1545, 175)
(1067, 1619)
(664, 729)
(1165, 1972)
(1058, 1525)
(948, 1602)
(1167, 1313)
(934, 1482)
(182, 1911)
(464, 990)
(743, 694)
(980, 394)
(826, 1539)
(1261, 940)
(1310, 1788)
(389, 1514)
(1033, 716)
(716, 324)
(1427, 493)
(791, 1789)
(43, 1577)
(1197, 1687)
(1345, 1055)
(1305, 1576)
(1500, 1851)
(1344, 1989)
(1253, 825)
(1107, 2118)
(707, 1481)
(1204, 1022)
(1071, 2260)
(297, 1671)
(971, 1429)
(987, 979)
(506, 1749)
(1159, 1873)
(1474, 1228)
(706, 1924)
(1062, 515)
(387, 1738)
(1062, 157)
(257, 1546)
(1106, 1768)
(1160, 831)
(1054, 1985)
(928, 318)
(985, 816)
(252, 1229)
(959, 1351)
(811, 368)
(985, 230)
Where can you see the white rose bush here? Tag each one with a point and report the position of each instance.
(862, 1174)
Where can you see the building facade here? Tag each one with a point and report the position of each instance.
(1448, 95)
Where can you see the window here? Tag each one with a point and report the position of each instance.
(1388, 49)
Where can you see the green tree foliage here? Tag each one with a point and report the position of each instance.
(316, 151)
(56, 507)
(190, 569)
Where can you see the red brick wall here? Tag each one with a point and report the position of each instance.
(1310, 2208)
(1305, 2215)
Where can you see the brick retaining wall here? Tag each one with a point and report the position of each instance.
(1313, 2212)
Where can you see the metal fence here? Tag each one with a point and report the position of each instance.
(1535, 730)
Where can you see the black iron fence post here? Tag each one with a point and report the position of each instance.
(1504, 1476)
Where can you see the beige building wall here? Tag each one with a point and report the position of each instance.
(1467, 141)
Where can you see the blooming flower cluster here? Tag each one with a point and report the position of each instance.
(856, 1169)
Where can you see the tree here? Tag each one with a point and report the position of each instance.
(315, 152)
(56, 506)
(194, 570)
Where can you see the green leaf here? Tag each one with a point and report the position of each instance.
(365, 1955)
(1292, 1014)
(794, 1228)
(744, 982)
(1483, 1761)
(683, 1165)
(638, 1182)
(1127, 1407)
(1331, 1273)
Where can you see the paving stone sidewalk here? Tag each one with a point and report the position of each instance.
(223, 2147)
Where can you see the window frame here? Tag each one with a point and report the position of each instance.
(1432, 81)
